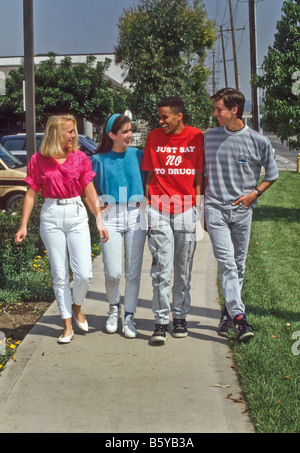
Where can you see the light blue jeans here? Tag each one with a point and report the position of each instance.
(128, 224)
(65, 232)
(172, 242)
(229, 231)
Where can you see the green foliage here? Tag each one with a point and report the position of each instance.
(78, 89)
(21, 279)
(162, 46)
(25, 273)
(281, 78)
(268, 366)
(7, 349)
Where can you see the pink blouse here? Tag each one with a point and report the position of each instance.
(56, 180)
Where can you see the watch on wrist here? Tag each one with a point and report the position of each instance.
(259, 192)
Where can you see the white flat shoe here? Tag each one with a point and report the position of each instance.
(65, 340)
(82, 325)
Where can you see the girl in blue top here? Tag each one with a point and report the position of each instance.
(119, 183)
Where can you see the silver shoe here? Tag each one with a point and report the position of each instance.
(128, 329)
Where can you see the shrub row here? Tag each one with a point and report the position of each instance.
(24, 268)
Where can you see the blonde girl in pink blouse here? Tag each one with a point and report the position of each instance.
(62, 174)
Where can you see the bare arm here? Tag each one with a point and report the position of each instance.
(248, 200)
(149, 176)
(29, 201)
(92, 201)
(199, 186)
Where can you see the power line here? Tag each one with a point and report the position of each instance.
(224, 27)
(252, 29)
(236, 75)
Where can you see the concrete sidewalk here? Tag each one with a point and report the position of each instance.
(108, 384)
(284, 164)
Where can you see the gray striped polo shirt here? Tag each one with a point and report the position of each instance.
(233, 162)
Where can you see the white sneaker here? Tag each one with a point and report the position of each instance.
(128, 329)
(113, 317)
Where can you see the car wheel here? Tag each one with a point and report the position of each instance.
(12, 200)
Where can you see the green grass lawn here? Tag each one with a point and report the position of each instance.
(268, 366)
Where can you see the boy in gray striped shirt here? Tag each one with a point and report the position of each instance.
(234, 156)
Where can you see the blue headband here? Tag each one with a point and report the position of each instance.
(110, 122)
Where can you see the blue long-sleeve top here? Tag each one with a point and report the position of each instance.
(119, 178)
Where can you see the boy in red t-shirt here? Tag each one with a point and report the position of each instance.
(173, 159)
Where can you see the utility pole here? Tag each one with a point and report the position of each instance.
(224, 58)
(29, 78)
(252, 28)
(234, 49)
(214, 73)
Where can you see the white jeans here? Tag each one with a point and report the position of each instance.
(65, 232)
(128, 224)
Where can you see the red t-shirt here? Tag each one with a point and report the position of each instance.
(175, 159)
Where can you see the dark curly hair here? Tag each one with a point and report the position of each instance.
(175, 103)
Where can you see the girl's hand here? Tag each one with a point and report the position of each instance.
(21, 234)
(101, 228)
(103, 234)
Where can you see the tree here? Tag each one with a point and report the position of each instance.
(281, 78)
(161, 47)
(66, 88)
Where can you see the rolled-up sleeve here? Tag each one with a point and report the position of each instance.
(33, 178)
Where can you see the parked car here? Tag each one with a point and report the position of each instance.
(12, 174)
(16, 144)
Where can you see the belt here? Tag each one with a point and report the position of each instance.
(63, 201)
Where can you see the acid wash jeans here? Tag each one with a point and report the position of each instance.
(172, 241)
(65, 231)
(229, 231)
(128, 224)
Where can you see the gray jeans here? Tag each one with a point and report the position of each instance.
(229, 232)
(172, 241)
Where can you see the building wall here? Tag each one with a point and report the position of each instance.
(7, 64)
(114, 72)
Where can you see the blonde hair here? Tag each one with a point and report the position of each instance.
(51, 144)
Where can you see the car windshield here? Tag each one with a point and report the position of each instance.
(88, 139)
(10, 160)
(87, 142)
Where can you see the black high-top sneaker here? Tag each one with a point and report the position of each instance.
(243, 330)
(160, 333)
(225, 324)
(179, 328)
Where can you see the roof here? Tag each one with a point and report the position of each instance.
(114, 72)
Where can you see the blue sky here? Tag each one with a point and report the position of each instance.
(90, 26)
